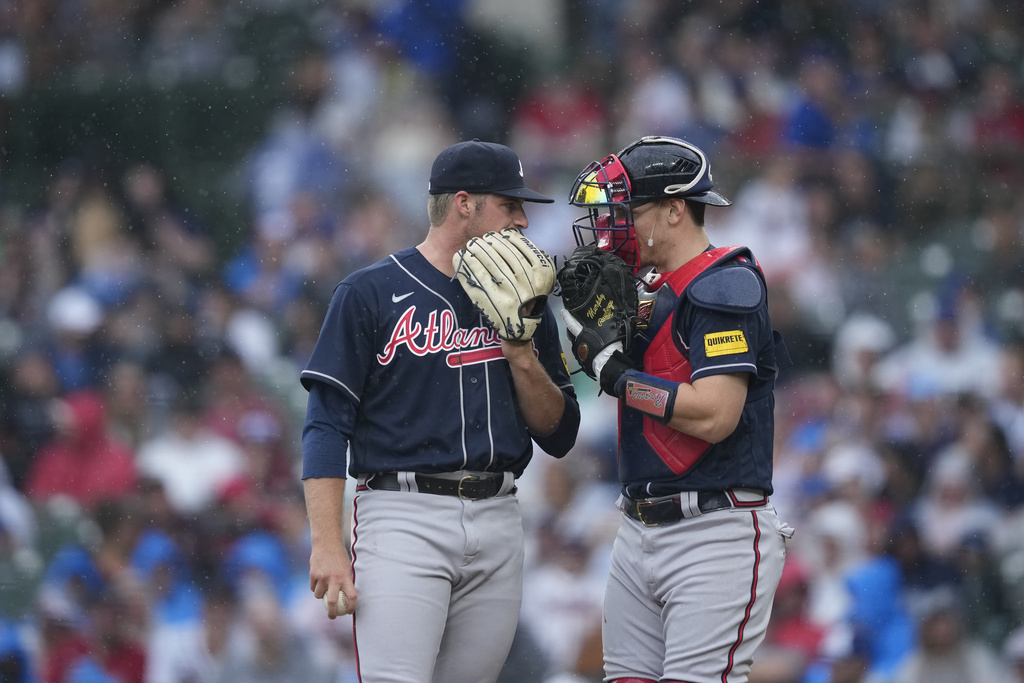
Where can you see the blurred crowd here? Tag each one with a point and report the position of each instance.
(152, 528)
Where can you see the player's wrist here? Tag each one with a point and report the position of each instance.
(602, 356)
(612, 369)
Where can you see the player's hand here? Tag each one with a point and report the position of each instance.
(607, 365)
(573, 327)
(330, 574)
(338, 602)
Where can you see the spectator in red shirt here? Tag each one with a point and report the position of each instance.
(84, 462)
(997, 122)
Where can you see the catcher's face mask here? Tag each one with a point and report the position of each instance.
(603, 188)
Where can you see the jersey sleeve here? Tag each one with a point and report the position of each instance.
(330, 417)
(334, 376)
(722, 340)
(549, 350)
(552, 357)
(345, 348)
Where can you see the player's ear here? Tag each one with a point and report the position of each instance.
(463, 203)
(676, 209)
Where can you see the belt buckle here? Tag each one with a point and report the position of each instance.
(640, 512)
(468, 477)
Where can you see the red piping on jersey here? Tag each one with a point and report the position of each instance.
(750, 603)
(462, 358)
(355, 535)
(678, 450)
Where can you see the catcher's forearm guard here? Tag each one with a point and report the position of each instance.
(648, 394)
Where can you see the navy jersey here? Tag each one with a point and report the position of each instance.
(702, 341)
(408, 374)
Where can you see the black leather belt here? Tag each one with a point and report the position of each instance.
(658, 511)
(472, 487)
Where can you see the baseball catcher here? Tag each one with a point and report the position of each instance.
(509, 279)
(599, 292)
(678, 330)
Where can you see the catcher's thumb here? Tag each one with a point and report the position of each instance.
(573, 325)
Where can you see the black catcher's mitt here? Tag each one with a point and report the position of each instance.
(599, 293)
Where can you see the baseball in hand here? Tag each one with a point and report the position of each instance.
(342, 603)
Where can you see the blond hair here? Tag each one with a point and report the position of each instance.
(438, 206)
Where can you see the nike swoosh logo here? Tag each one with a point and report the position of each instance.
(396, 298)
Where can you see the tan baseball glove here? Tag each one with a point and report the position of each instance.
(509, 279)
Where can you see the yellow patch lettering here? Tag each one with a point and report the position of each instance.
(724, 343)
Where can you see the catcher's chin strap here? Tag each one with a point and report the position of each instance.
(648, 394)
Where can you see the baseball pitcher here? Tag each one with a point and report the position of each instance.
(436, 370)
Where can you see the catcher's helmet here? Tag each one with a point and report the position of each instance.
(652, 168)
(669, 167)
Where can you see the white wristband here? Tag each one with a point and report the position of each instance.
(602, 357)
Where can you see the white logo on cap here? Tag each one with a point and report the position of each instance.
(520, 169)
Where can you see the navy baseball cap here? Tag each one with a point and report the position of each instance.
(481, 168)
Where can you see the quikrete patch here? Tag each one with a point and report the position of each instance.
(724, 343)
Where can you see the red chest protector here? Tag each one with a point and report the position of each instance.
(662, 359)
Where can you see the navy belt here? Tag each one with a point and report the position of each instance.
(472, 487)
(671, 509)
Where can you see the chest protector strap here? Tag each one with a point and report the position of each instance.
(662, 359)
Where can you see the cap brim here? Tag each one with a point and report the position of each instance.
(526, 194)
(709, 197)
